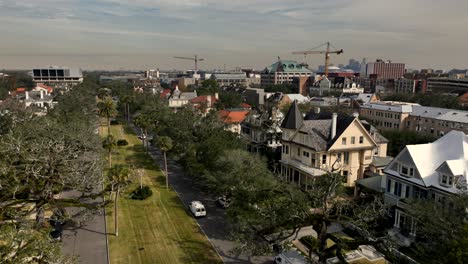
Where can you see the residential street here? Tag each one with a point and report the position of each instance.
(88, 241)
(214, 225)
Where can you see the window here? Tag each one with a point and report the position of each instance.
(353, 140)
(346, 157)
(343, 141)
(313, 160)
(361, 139)
(407, 192)
(324, 159)
(299, 152)
(444, 179)
(305, 154)
(406, 171)
(397, 189)
(345, 176)
(338, 157)
(287, 149)
(389, 185)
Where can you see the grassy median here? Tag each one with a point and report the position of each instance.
(158, 229)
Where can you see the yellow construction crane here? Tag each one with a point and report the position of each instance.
(195, 59)
(327, 53)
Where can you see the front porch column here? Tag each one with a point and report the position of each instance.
(397, 219)
(413, 228)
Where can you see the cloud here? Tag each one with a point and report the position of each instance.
(405, 30)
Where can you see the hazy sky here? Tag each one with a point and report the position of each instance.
(138, 34)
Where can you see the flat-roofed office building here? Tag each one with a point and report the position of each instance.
(58, 77)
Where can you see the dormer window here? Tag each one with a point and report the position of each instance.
(406, 171)
(447, 180)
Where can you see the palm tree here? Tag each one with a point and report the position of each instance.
(109, 143)
(165, 144)
(119, 177)
(107, 109)
(126, 100)
(143, 122)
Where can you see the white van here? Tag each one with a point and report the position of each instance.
(197, 209)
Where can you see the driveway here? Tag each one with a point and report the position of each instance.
(87, 241)
(214, 225)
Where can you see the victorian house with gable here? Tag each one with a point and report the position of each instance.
(322, 142)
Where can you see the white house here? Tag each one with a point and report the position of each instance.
(434, 170)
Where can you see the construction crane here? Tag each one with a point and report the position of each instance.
(195, 59)
(327, 53)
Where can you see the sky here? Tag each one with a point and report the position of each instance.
(143, 34)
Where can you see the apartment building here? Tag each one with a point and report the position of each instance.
(431, 121)
(284, 71)
(324, 142)
(434, 170)
(385, 69)
(387, 115)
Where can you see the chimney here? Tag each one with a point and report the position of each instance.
(42, 94)
(27, 95)
(333, 128)
(216, 96)
(317, 110)
(356, 114)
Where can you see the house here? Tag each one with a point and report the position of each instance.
(44, 88)
(280, 100)
(263, 131)
(284, 71)
(434, 170)
(205, 103)
(232, 119)
(178, 99)
(324, 142)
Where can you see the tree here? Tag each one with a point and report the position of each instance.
(400, 139)
(440, 224)
(165, 144)
(119, 177)
(109, 143)
(106, 108)
(208, 87)
(42, 157)
(229, 100)
(125, 100)
(26, 245)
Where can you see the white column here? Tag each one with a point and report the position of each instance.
(397, 219)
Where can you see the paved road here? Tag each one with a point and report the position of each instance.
(87, 241)
(214, 225)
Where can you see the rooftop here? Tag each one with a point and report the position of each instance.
(287, 66)
(233, 115)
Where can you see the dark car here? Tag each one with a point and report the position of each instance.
(223, 201)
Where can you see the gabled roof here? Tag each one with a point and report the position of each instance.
(164, 94)
(203, 99)
(48, 88)
(293, 119)
(451, 149)
(298, 97)
(233, 116)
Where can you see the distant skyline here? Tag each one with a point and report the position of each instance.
(141, 34)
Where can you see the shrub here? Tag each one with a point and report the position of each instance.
(122, 142)
(114, 122)
(141, 194)
(310, 242)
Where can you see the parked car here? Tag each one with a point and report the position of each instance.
(290, 257)
(197, 209)
(223, 201)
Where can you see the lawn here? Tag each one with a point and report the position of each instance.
(158, 229)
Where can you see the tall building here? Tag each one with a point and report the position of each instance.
(283, 71)
(58, 77)
(385, 69)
